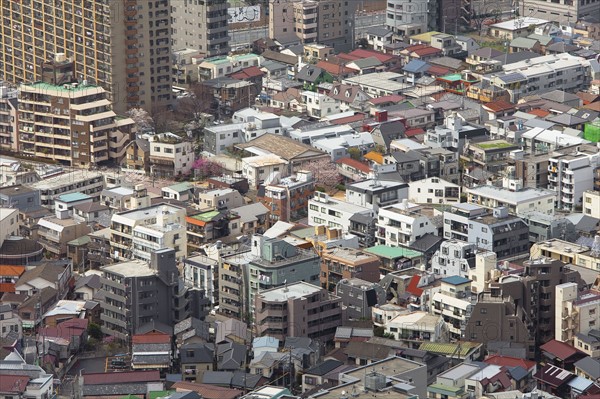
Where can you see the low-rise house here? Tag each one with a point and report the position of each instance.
(376, 193)
(319, 105)
(56, 275)
(195, 359)
(286, 198)
(326, 210)
(518, 200)
(10, 322)
(9, 275)
(151, 351)
(338, 264)
(318, 374)
(31, 309)
(433, 190)
(453, 303)
(379, 37)
(19, 379)
(260, 168)
(403, 224)
(121, 383)
(588, 343)
(60, 342)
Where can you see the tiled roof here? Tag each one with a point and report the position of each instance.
(354, 164)
(509, 361)
(554, 376)
(500, 105)
(124, 377)
(559, 349)
(13, 383)
(10, 270)
(207, 391)
(362, 53)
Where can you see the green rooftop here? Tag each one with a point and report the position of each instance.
(73, 197)
(445, 390)
(80, 241)
(453, 77)
(393, 252)
(159, 394)
(206, 216)
(181, 187)
(60, 88)
(448, 349)
(494, 145)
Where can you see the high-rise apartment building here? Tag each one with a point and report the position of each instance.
(328, 22)
(201, 25)
(8, 118)
(125, 47)
(71, 123)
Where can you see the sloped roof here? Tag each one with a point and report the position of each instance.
(48, 271)
(415, 66)
(509, 361)
(324, 367)
(285, 147)
(497, 106)
(208, 391)
(590, 366)
(354, 164)
(413, 288)
(559, 349)
(486, 53)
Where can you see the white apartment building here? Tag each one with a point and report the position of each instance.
(8, 118)
(518, 202)
(570, 175)
(319, 105)
(454, 258)
(9, 223)
(338, 147)
(575, 312)
(218, 67)
(79, 181)
(260, 168)
(137, 233)
(247, 125)
(493, 231)
(433, 190)
(331, 212)
(543, 74)
(416, 328)
(591, 203)
(406, 17)
(540, 141)
(170, 155)
(383, 314)
(402, 224)
(375, 193)
(453, 303)
(220, 199)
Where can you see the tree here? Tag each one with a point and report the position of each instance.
(200, 100)
(94, 331)
(204, 168)
(142, 119)
(354, 153)
(324, 172)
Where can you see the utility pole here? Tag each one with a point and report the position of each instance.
(290, 371)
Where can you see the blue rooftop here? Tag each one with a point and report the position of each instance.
(455, 280)
(73, 197)
(415, 66)
(269, 342)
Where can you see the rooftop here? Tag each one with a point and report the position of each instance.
(65, 179)
(133, 268)
(73, 197)
(290, 291)
(455, 280)
(387, 252)
(519, 23)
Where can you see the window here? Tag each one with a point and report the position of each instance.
(483, 311)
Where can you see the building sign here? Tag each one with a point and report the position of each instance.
(244, 14)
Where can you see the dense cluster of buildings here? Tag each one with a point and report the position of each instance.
(353, 212)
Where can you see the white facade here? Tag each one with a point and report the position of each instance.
(260, 168)
(220, 198)
(591, 203)
(417, 326)
(454, 258)
(433, 190)
(135, 234)
(375, 193)
(331, 212)
(319, 105)
(382, 314)
(9, 322)
(402, 224)
(575, 312)
(338, 147)
(9, 223)
(81, 181)
(171, 148)
(571, 175)
(517, 202)
(544, 74)
(406, 17)
(453, 303)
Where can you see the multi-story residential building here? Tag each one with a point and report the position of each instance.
(331, 212)
(205, 227)
(287, 198)
(72, 124)
(319, 105)
(570, 175)
(229, 95)
(219, 67)
(56, 231)
(453, 303)
(136, 233)
(406, 18)
(376, 193)
(9, 321)
(432, 190)
(137, 293)
(403, 224)
(298, 310)
(413, 329)
(201, 272)
(338, 264)
(563, 12)
(518, 201)
(220, 199)
(543, 74)
(453, 133)
(490, 156)
(170, 155)
(493, 231)
(271, 262)
(454, 258)
(19, 197)
(201, 26)
(8, 118)
(359, 297)
(124, 48)
(9, 223)
(575, 312)
(125, 198)
(260, 168)
(325, 22)
(544, 227)
(590, 201)
(79, 181)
